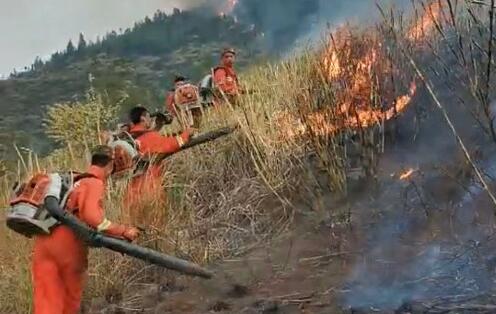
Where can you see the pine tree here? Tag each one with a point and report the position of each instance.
(70, 48)
(38, 64)
(82, 43)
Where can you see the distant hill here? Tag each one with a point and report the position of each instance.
(138, 62)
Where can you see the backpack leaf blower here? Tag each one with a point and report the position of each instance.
(97, 239)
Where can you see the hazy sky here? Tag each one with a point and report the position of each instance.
(31, 28)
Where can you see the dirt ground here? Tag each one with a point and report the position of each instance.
(292, 274)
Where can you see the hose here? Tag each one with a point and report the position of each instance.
(97, 239)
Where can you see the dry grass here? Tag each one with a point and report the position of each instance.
(215, 201)
(225, 196)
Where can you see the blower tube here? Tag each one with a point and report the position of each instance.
(97, 239)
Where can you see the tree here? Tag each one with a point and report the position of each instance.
(38, 64)
(70, 48)
(82, 43)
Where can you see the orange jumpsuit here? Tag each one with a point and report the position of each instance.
(226, 80)
(147, 188)
(60, 259)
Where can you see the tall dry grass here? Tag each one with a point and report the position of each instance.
(215, 207)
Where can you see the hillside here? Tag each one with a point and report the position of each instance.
(360, 180)
(133, 66)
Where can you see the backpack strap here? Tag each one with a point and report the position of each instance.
(84, 176)
(77, 177)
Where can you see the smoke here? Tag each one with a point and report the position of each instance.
(286, 22)
(282, 21)
(209, 6)
(414, 253)
(402, 263)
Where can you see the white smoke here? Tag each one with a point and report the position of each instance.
(289, 22)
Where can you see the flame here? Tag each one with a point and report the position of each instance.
(331, 63)
(425, 25)
(351, 66)
(407, 174)
(354, 108)
(319, 124)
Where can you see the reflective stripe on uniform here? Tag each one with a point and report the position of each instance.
(180, 141)
(104, 225)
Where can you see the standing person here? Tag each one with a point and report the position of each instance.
(146, 188)
(60, 259)
(225, 78)
(179, 81)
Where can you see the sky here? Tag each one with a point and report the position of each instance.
(31, 28)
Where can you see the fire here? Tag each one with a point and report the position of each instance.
(354, 107)
(407, 174)
(317, 123)
(331, 63)
(359, 69)
(426, 24)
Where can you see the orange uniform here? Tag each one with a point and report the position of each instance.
(226, 80)
(60, 259)
(147, 188)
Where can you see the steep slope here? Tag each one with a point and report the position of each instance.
(130, 67)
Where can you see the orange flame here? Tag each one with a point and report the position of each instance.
(407, 174)
(355, 81)
(355, 108)
(319, 124)
(424, 27)
(331, 63)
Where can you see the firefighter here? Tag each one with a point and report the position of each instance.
(146, 188)
(60, 259)
(179, 80)
(225, 78)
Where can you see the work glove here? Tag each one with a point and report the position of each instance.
(131, 233)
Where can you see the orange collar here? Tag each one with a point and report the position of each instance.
(137, 128)
(98, 172)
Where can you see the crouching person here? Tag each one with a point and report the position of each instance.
(60, 258)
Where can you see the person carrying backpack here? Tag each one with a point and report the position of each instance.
(146, 188)
(60, 258)
(225, 78)
(179, 81)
